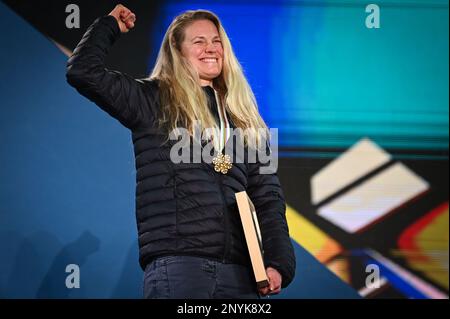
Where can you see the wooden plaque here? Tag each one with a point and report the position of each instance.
(253, 237)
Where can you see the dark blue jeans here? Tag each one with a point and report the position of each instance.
(186, 277)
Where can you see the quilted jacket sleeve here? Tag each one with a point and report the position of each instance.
(266, 194)
(116, 93)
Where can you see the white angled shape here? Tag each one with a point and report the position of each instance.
(374, 198)
(361, 159)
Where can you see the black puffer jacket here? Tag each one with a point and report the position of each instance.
(180, 208)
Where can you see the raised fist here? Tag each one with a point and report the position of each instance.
(124, 17)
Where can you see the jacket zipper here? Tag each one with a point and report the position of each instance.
(226, 221)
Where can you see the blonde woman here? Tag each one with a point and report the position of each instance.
(191, 242)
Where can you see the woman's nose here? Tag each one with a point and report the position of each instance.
(210, 47)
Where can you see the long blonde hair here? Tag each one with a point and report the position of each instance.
(183, 101)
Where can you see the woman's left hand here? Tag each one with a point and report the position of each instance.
(274, 282)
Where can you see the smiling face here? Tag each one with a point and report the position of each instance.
(202, 47)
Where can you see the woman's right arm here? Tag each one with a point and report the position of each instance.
(116, 93)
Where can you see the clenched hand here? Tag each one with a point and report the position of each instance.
(274, 282)
(125, 18)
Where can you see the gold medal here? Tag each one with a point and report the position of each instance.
(222, 163)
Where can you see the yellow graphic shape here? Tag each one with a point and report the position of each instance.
(307, 235)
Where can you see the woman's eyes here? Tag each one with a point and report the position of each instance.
(203, 42)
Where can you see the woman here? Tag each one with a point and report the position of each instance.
(191, 242)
